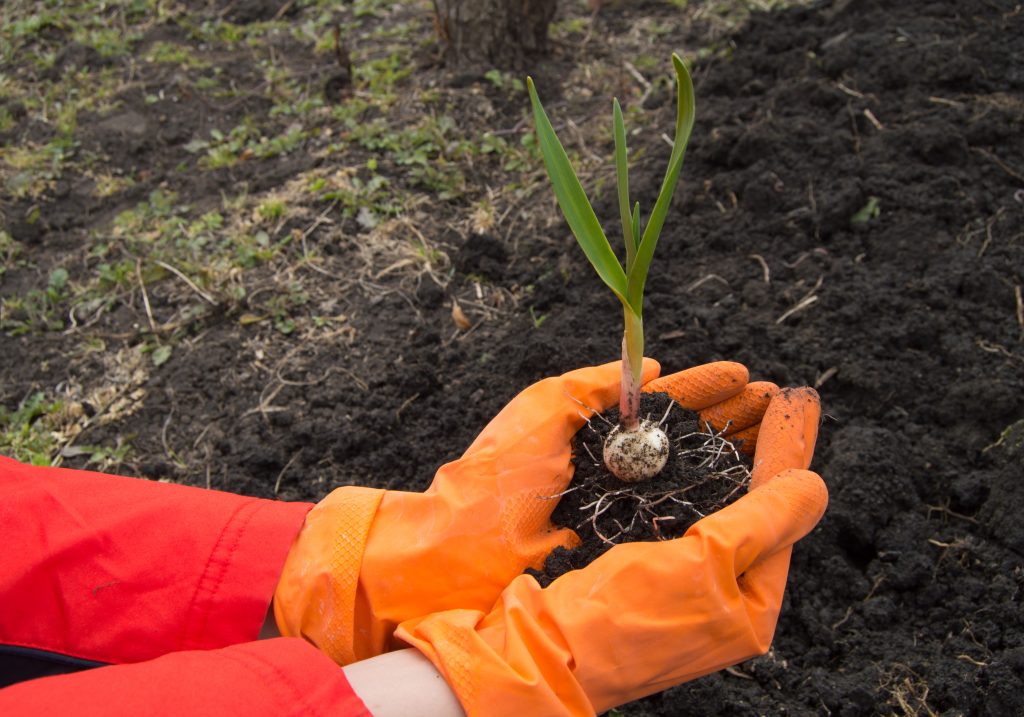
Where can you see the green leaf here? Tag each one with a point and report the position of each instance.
(685, 110)
(868, 212)
(622, 175)
(161, 355)
(574, 203)
(636, 219)
(58, 279)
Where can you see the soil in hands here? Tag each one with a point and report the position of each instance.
(704, 473)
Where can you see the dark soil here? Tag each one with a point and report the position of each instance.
(703, 473)
(907, 599)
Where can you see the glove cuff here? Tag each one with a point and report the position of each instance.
(316, 595)
(510, 662)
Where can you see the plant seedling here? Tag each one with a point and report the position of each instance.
(636, 450)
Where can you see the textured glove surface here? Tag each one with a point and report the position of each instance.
(484, 519)
(643, 616)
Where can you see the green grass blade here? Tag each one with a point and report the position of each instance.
(636, 219)
(574, 203)
(622, 175)
(685, 110)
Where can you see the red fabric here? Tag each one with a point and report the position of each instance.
(286, 676)
(121, 570)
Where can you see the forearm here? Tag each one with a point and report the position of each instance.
(403, 683)
(115, 570)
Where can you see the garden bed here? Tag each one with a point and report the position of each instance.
(214, 277)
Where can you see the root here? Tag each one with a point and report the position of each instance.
(716, 473)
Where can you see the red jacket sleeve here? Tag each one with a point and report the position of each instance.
(119, 570)
(271, 678)
(115, 570)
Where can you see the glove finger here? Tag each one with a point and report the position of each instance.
(743, 410)
(764, 521)
(745, 440)
(548, 413)
(788, 432)
(702, 386)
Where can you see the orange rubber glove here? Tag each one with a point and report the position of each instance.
(644, 616)
(366, 560)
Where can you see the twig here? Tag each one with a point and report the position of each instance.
(836, 625)
(735, 672)
(277, 483)
(968, 658)
(988, 232)
(321, 219)
(944, 101)
(405, 404)
(265, 406)
(989, 347)
(872, 119)
(284, 9)
(145, 296)
(807, 301)
(188, 281)
(846, 90)
(575, 129)
(797, 262)
(764, 267)
(703, 280)
(631, 69)
(825, 376)
(1002, 165)
(163, 435)
(945, 509)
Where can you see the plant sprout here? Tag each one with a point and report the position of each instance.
(636, 450)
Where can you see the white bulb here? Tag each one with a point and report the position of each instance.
(636, 455)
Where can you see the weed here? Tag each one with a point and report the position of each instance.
(169, 52)
(33, 169)
(355, 194)
(871, 210)
(25, 435)
(107, 185)
(118, 275)
(271, 210)
(9, 251)
(6, 120)
(569, 26)
(36, 308)
(104, 458)
(281, 306)
(504, 81)
(538, 319)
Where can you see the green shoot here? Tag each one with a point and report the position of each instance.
(640, 241)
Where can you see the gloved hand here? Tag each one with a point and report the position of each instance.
(644, 616)
(366, 560)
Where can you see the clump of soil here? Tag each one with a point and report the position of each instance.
(704, 473)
